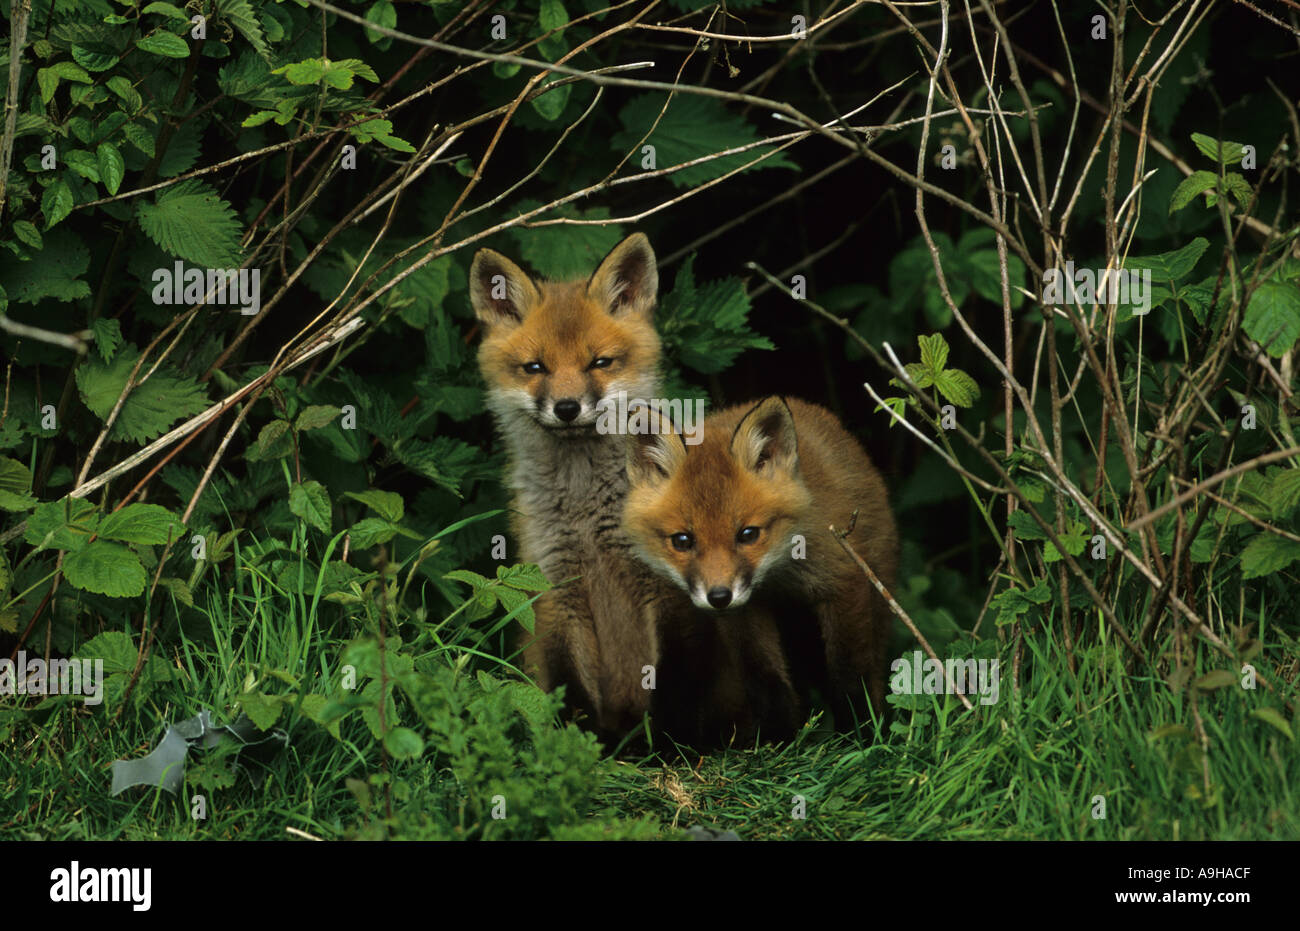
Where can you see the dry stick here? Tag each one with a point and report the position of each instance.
(1048, 531)
(1261, 524)
(896, 607)
(1215, 480)
(17, 40)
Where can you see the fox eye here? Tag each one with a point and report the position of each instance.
(533, 368)
(601, 362)
(682, 541)
(748, 535)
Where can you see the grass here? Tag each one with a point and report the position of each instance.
(1032, 766)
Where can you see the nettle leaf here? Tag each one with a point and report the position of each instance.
(112, 167)
(371, 531)
(164, 44)
(706, 327)
(1267, 553)
(107, 334)
(1171, 267)
(1026, 527)
(1284, 492)
(386, 504)
(1198, 182)
(53, 272)
(151, 408)
(691, 128)
(336, 74)
(1074, 539)
(56, 202)
(311, 502)
(527, 577)
(262, 710)
(15, 489)
(190, 221)
(1012, 603)
(115, 648)
(1273, 317)
(240, 14)
(66, 524)
(141, 523)
(106, 569)
(1233, 152)
(316, 416)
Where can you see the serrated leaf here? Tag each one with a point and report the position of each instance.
(56, 203)
(15, 490)
(190, 221)
(371, 531)
(114, 647)
(525, 577)
(126, 92)
(1273, 316)
(27, 232)
(934, 351)
(311, 502)
(112, 167)
(141, 523)
(1025, 526)
(316, 416)
(66, 524)
(164, 44)
(386, 504)
(1267, 553)
(54, 271)
(957, 387)
(691, 128)
(140, 137)
(273, 442)
(106, 569)
(107, 334)
(150, 408)
(240, 14)
(1284, 492)
(1198, 182)
(1274, 717)
(1211, 148)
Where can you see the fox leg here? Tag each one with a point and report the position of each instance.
(855, 640)
(563, 651)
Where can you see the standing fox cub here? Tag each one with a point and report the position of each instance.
(551, 353)
(744, 515)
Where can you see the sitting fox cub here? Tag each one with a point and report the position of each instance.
(723, 520)
(551, 353)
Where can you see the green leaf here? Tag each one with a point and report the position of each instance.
(27, 233)
(141, 523)
(957, 387)
(1025, 526)
(171, 11)
(692, 127)
(1267, 553)
(403, 743)
(316, 416)
(934, 352)
(53, 272)
(150, 408)
(241, 15)
(190, 221)
(107, 334)
(1171, 267)
(525, 577)
(1198, 182)
(1273, 317)
(273, 442)
(1274, 717)
(140, 137)
(164, 44)
(112, 167)
(262, 710)
(1075, 538)
(1211, 147)
(386, 504)
(1284, 492)
(56, 202)
(1013, 602)
(126, 91)
(381, 13)
(371, 531)
(1238, 187)
(15, 489)
(550, 103)
(114, 647)
(311, 502)
(1216, 679)
(66, 524)
(106, 569)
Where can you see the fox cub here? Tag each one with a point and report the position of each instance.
(551, 353)
(741, 519)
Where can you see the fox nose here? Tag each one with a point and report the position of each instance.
(567, 409)
(719, 597)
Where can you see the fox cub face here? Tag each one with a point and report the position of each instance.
(552, 351)
(720, 517)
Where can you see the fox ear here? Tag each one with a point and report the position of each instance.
(765, 438)
(627, 280)
(500, 291)
(657, 449)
